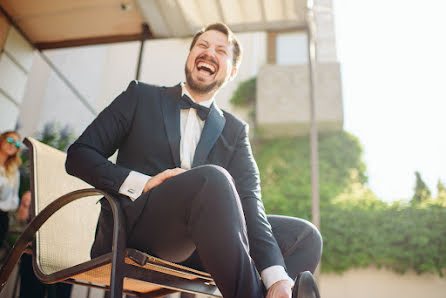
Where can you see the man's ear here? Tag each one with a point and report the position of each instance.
(234, 72)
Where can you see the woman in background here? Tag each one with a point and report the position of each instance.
(10, 163)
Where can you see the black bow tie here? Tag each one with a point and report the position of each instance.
(187, 103)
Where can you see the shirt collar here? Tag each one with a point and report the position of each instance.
(206, 103)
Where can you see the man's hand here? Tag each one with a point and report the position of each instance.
(280, 289)
(161, 177)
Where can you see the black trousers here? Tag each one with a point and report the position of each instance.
(4, 225)
(196, 218)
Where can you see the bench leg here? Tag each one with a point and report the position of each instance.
(118, 249)
(117, 279)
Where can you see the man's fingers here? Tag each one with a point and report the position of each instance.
(169, 173)
(173, 172)
(161, 177)
(280, 289)
(178, 171)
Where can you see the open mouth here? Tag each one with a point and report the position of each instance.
(206, 67)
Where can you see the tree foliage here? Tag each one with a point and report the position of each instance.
(422, 192)
(441, 189)
(285, 170)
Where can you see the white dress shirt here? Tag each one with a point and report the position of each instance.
(191, 127)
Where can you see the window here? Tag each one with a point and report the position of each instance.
(287, 48)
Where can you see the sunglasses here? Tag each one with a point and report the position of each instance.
(11, 141)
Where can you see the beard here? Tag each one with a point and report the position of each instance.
(200, 87)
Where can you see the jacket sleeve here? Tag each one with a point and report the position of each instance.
(87, 157)
(263, 246)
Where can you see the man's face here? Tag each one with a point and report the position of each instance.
(209, 64)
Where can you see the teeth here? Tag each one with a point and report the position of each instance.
(207, 65)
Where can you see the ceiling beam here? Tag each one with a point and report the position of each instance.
(284, 10)
(152, 15)
(183, 15)
(220, 11)
(13, 23)
(48, 61)
(88, 41)
(272, 26)
(262, 10)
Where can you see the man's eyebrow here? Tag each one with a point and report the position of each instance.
(203, 40)
(222, 46)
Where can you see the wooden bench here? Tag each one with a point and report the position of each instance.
(65, 212)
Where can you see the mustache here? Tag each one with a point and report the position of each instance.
(208, 59)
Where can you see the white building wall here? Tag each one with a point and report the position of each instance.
(119, 70)
(325, 31)
(35, 88)
(283, 89)
(8, 113)
(83, 67)
(15, 63)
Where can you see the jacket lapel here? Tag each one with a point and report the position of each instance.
(171, 116)
(211, 131)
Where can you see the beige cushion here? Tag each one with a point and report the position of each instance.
(66, 238)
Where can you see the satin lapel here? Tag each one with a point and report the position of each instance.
(211, 131)
(171, 115)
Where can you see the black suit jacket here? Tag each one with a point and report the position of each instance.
(144, 124)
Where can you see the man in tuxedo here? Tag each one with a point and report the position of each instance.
(188, 182)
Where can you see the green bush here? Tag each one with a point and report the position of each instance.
(245, 94)
(359, 230)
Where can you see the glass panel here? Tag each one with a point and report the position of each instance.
(291, 48)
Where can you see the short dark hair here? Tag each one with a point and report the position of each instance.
(223, 28)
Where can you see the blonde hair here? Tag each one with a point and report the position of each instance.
(13, 163)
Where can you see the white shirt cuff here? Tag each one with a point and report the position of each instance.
(273, 274)
(133, 185)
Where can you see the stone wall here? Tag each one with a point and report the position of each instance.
(283, 99)
(375, 283)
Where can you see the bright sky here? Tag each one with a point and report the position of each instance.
(393, 61)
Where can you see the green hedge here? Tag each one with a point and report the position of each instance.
(399, 236)
(359, 230)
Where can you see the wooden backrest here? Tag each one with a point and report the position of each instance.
(66, 238)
